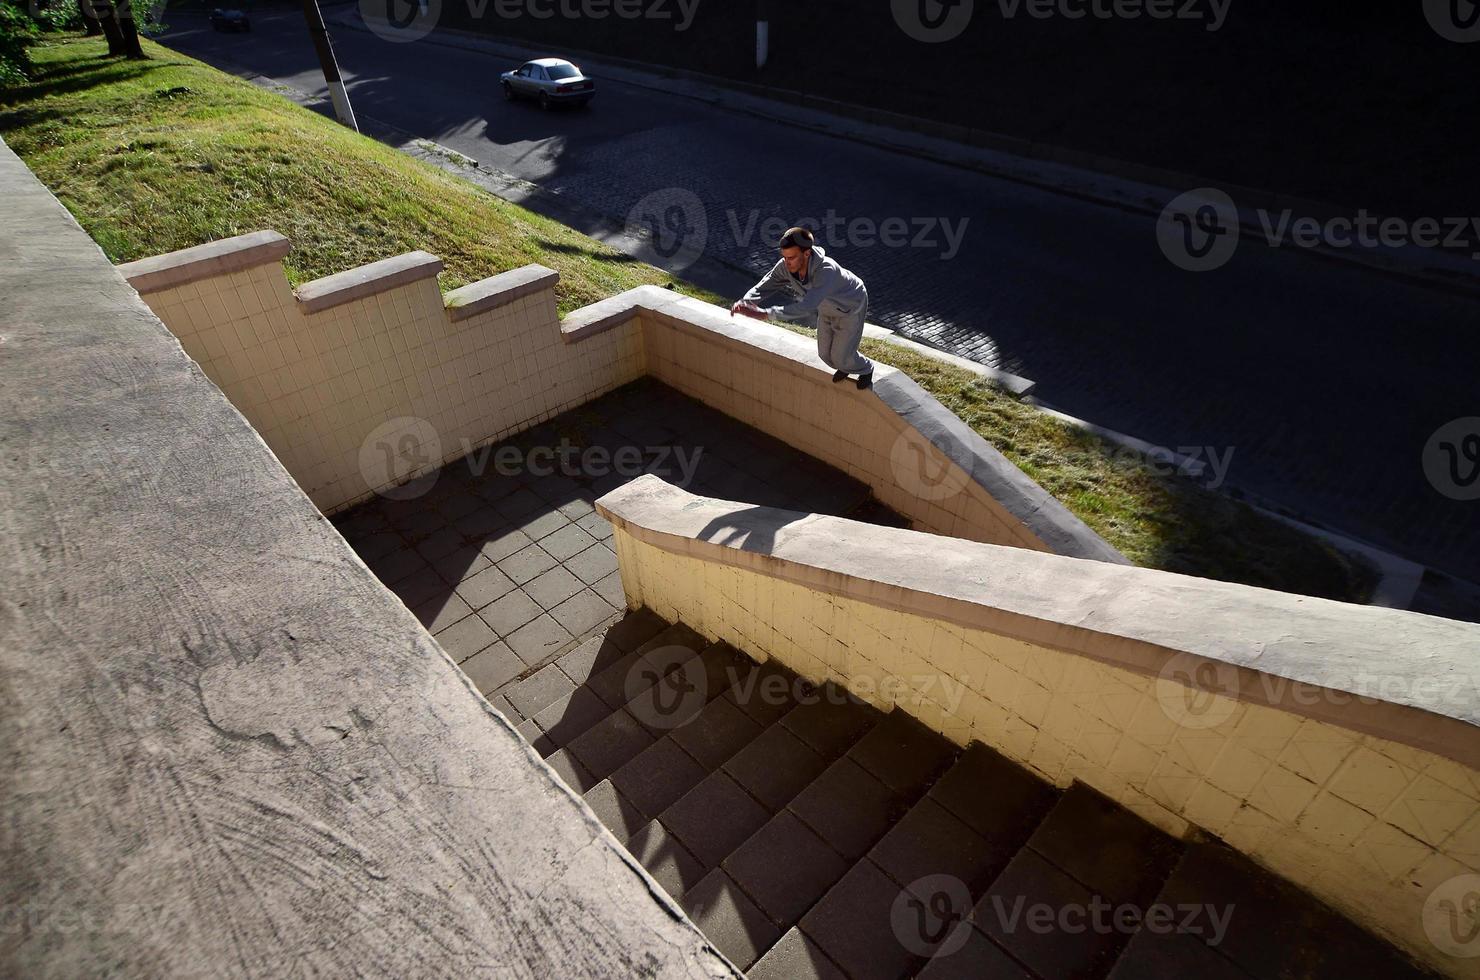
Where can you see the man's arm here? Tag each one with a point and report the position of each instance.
(828, 283)
(770, 282)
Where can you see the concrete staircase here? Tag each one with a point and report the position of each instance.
(811, 835)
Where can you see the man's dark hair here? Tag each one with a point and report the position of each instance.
(797, 238)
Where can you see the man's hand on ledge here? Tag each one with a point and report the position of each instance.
(747, 309)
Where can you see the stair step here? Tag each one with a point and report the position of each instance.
(1269, 923)
(1107, 847)
(729, 919)
(795, 957)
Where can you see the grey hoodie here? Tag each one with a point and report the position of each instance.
(826, 280)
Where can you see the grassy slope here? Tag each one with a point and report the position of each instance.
(163, 154)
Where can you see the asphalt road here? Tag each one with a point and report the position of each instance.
(1326, 381)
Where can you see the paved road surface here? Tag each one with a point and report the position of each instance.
(1324, 379)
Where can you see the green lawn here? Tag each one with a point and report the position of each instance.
(167, 153)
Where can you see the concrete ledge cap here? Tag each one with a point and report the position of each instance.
(367, 280)
(1395, 674)
(500, 290)
(187, 265)
(611, 312)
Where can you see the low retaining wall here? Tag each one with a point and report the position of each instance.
(1336, 744)
(916, 456)
(370, 377)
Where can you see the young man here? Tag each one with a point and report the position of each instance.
(819, 287)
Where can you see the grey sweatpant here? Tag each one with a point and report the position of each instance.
(838, 337)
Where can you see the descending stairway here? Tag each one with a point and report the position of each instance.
(811, 835)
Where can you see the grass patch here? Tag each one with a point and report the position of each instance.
(167, 153)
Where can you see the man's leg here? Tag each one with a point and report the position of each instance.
(843, 339)
(826, 331)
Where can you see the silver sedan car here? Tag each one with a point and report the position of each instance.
(550, 82)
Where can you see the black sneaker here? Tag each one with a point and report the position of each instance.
(865, 381)
(839, 376)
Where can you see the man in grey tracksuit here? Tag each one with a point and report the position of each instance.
(819, 287)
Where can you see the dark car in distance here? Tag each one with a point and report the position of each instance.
(230, 20)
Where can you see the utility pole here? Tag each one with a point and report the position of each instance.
(320, 35)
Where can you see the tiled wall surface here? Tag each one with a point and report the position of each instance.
(1369, 825)
(838, 424)
(331, 392)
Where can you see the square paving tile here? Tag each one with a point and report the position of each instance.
(729, 919)
(718, 732)
(375, 545)
(636, 628)
(465, 637)
(795, 957)
(538, 525)
(459, 563)
(520, 504)
(480, 589)
(438, 614)
(597, 526)
(903, 754)
(969, 955)
(929, 841)
(440, 542)
(591, 657)
(785, 868)
(582, 612)
(667, 860)
(421, 587)
(610, 589)
(1172, 955)
(609, 743)
(615, 810)
(538, 640)
(995, 796)
(526, 564)
(567, 542)
(551, 588)
(763, 691)
(565, 718)
(658, 776)
(460, 504)
(482, 524)
(775, 767)
(853, 925)
(501, 545)
(1106, 846)
(539, 690)
(510, 611)
(491, 668)
(593, 564)
(396, 565)
(831, 721)
(1028, 881)
(849, 808)
(571, 771)
(714, 818)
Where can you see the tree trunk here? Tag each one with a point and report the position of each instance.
(90, 23)
(108, 20)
